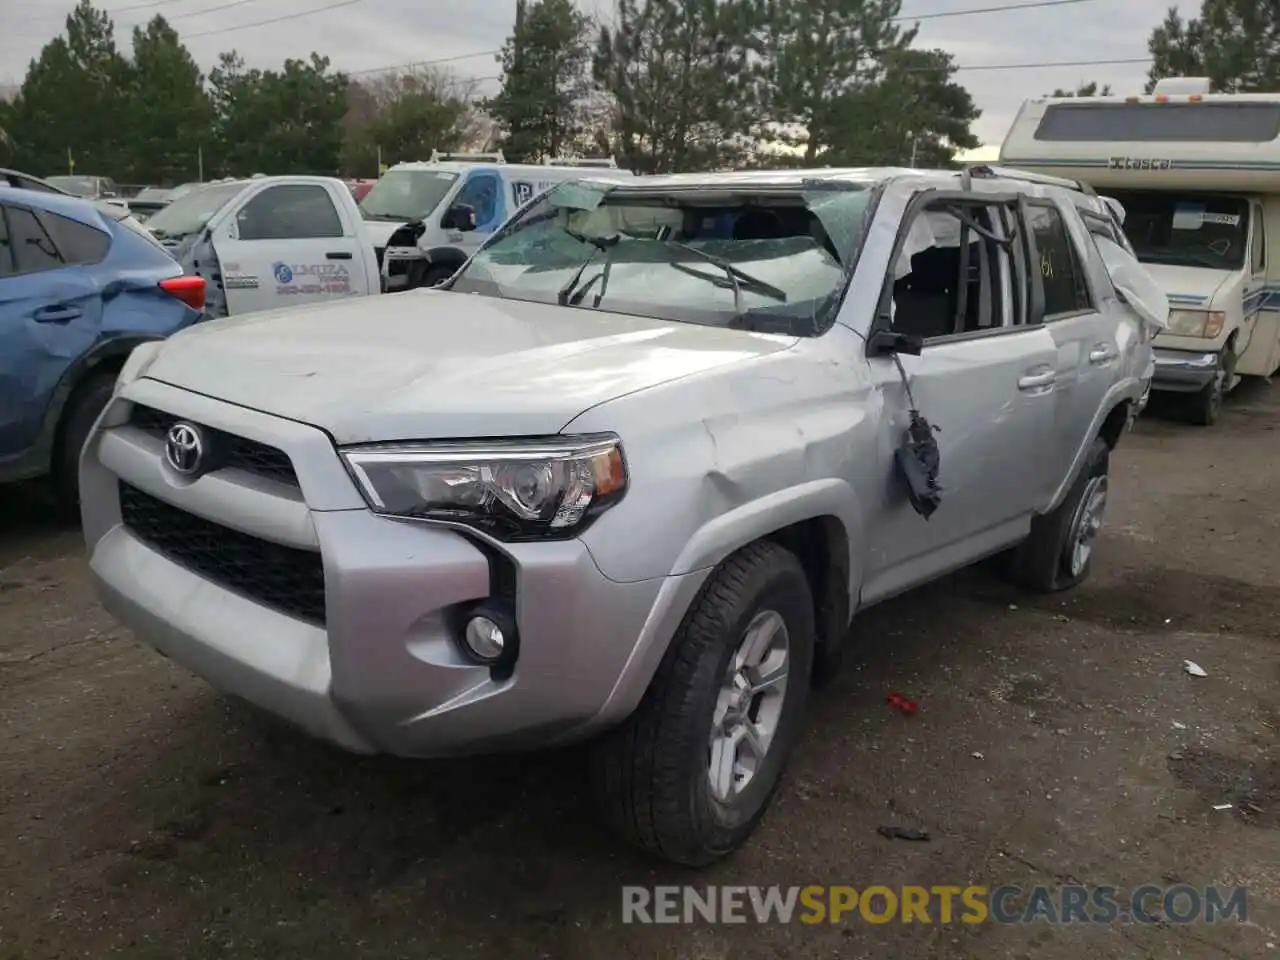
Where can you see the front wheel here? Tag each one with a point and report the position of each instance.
(689, 775)
(1058, 554)
(1206, 406)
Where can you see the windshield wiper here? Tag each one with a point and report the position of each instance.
(737, 278)
(599, 244)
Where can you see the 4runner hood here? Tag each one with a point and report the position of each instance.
(1184, 285)
(429, 364)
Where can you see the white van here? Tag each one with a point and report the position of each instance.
(1198, 175)
(409, 212)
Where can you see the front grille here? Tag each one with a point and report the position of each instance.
(283, 578)
(239, 452)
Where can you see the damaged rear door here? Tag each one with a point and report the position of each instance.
(984, 379)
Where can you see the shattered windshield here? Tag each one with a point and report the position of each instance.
(769, 258)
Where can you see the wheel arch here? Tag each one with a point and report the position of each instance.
(105, 356)
(820, 521)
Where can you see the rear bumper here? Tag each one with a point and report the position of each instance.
(1184, 371)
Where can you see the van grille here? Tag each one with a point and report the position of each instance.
(283, 578)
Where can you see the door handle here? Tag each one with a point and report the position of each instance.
(338, 255)
(57, 313)
(1101, 354)
(1038, 381)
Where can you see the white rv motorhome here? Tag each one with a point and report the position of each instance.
(1199, 177)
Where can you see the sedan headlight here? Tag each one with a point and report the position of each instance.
(514, 490)
(1206, 324)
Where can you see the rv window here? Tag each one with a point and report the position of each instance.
(1259, 240)
(1160, 122)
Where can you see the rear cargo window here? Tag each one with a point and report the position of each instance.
(1160, 122)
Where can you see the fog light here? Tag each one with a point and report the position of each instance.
(484, 638)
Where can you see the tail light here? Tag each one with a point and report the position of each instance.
(190, 290)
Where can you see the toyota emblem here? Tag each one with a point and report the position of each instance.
(184, 449)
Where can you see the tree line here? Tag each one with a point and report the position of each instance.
(667, 85)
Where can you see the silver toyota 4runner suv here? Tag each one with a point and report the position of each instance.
(629, 473)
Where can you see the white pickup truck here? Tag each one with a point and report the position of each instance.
(269, 242)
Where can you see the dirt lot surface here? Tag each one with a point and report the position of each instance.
(142, 815)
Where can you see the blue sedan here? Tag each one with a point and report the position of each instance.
(81, 284)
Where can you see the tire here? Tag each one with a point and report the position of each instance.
(653, 773)
(1205, 407)
(87, 401)
(437, 275)
(1048, 560)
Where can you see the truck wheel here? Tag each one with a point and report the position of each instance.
(86, 402)
(1058, 554)
(437, 275)
(691, 772)
(1206, 406)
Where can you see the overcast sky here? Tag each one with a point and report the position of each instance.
(366, 34)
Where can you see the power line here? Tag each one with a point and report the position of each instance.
(1051, 64)
(1001, 8)
(263, 23)
(175, 16)
(113, 11)
(424, 63)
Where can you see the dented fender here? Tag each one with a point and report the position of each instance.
(730, 531)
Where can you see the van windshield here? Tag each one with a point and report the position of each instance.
(1186, 230)
(192, 211)
(768, 258)
(406, 195)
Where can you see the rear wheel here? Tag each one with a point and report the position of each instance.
(86, 403)
(1058, 554)
(689, 775)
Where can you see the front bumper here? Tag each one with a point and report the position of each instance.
(1184, 371)
(382, 672)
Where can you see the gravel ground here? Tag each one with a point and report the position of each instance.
(143, 815)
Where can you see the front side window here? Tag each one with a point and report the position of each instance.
(1187, 230)
(1259, 259)
(289, 212)
(480, 192)
(1066, 290)
(772, 259)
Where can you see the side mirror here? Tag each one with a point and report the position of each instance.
(460, 216)
(884, 343)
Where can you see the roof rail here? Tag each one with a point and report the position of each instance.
(438, 157)
(990, 172)
(605, 162)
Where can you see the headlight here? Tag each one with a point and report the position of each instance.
(1197, 323)
(136, 364)
(514, 490)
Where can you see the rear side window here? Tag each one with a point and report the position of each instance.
(289, 212)
(33, 249)
(1065, 288)
(78, 243)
